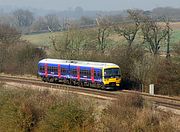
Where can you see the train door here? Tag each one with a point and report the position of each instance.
(92, 74)
(59, 71)
(46, 70)
(69, 71)
(78, 73)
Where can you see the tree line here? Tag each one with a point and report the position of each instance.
(29, 22)
(134, 43)
(138, 50)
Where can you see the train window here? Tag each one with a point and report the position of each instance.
(74, 71)
(41, 68)
(83, 72)
(49, 68)
(88, 73)
(95, 74)
(99, 74)
(55, 69)
(63, 70)
(52, 69)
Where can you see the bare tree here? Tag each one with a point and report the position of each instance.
(153, 34)
(86, 21)
(146, 70)
(8, 34)
(70, 44)
(169, 30)
(24, 17)
(39, 25)
(53, 22)
(130, 28)
(8, 37)
(103, 27)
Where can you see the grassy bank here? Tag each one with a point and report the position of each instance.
(33, 110)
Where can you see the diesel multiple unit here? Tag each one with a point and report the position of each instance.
(82, 73)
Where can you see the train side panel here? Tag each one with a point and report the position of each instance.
(79, 74)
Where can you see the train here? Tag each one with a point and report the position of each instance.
(80, 73)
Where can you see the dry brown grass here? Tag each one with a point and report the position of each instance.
(130, 114)
(173, 25)
(32, 110)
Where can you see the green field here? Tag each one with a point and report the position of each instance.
(175, 36)
(43, 39)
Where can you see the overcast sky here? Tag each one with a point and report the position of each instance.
(105, 5)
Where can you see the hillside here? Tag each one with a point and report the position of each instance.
(43, 39)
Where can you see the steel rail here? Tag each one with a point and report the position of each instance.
(96, 93)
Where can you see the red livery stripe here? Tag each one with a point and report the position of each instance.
(78, 73)
(92, 74)
(59, 70)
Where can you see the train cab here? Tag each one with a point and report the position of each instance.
(111, 77)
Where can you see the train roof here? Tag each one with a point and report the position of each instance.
(78, 63)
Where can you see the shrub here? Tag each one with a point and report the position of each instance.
(21, 58)
(129, 114)
(31, 110)
(168, 79)
(67, 115)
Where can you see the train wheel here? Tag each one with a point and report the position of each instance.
(44, 79)
(102, 86)
(88, 84)
(81, 84)
(78, 83)
(74, 83)
(51, 80)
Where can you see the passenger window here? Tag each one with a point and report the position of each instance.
(99, 74)
(95, 73)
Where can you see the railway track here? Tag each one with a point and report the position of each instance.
(158, 100)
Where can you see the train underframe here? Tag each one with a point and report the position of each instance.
(82, 83)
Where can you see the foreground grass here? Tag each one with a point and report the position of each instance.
(32, 110)
(130, 113)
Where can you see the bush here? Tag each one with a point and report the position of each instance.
(30, 110)
(130, 114)
(168, 78)
(21, 58)
(68, 115)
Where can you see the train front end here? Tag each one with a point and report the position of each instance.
(111, 77)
